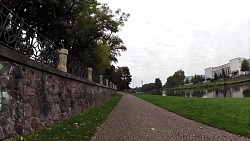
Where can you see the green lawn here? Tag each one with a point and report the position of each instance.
(232, 115)
(80, 127)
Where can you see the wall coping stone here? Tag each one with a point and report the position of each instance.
(24, 60)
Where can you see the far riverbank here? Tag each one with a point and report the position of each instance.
(214, 84)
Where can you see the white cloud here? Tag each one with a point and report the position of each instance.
(163, 36)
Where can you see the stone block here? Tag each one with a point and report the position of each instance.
(26, 79)
(37, 111)
(47, 86)
(17, 73)
(18, 128)
(56, 99)
(33, 101)
(62, 97)
(28, 111)
(38, 74)
(16, 85)
(49, 98)
(6, 82)
(55, 111)
(33, 82)
(27, 90)
(4, 121)
(51, 91)
(1, 134)
(34, 123)
(27, 126)
(8, 130)
(56, 89)
(63, 107)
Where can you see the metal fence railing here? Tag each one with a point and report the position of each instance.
(75, 67)
(96, 77)
(104, 81)
(21, 37)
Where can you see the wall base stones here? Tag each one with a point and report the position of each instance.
(33, 97)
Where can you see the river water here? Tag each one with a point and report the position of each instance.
(229, 91)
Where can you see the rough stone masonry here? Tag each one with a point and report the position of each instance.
(33, 96)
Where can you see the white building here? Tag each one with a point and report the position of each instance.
(231, 69)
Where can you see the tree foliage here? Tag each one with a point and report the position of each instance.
(187, 81)
(153, 88)
(197, 79)
(158, 84)
(223, 73)
(120, 76)
(215, 76)
(175, 80)
(245, 65)
(148, 87)
(86, 28)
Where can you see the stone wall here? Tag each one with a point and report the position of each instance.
(34, 96)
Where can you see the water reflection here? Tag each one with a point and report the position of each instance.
(229, 91)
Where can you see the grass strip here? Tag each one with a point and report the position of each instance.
(231, 115)
(80, 127)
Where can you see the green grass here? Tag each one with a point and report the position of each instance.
(232, 115)
(80, 127)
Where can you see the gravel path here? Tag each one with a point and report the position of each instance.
(136, 120)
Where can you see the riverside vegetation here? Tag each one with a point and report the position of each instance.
(212, 84)
(231, 115)
(79, 127)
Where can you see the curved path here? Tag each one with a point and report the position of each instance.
(136, 120)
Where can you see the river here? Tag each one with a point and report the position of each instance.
(229, 91)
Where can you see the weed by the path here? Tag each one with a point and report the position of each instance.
(78, 128)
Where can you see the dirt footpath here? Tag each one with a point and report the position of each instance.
(136, 120)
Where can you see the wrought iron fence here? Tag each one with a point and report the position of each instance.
(104, 81)
(19, 36)
(75, 67)
(96, 77)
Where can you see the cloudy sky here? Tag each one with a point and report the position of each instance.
(163, 36)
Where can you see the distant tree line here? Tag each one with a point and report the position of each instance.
(153, 88)
(197, 79)
(179, 79)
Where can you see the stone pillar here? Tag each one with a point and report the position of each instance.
(62, 65)
(107, 82)
(101, 77)
(90, 78)
(110, 84)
